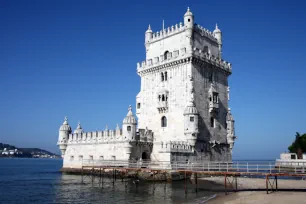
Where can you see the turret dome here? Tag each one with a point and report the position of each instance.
(79, 129)
(130, 119)
(188, 12)
(191, 109)
(217, 30)
(149, 29)
(65, 126)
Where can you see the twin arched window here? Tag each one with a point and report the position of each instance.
(164, 76)
(164, 121)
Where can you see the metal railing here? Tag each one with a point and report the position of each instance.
(246, 167)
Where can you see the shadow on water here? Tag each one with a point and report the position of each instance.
(39, 181)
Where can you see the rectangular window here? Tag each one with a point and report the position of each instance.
(191, 119)
(138, 105)
(80, 157)
(128, 128)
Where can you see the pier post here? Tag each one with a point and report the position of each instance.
(267, 184)
(276, 182)
(185, 183)
(225, 184)
(196, 181)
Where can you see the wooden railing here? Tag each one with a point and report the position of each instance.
(249, 167)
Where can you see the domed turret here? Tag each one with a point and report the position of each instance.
(230, 123)
(64, 132)
(191, 118)
(148, 34)
(218, 35)
(79, 129)
(188, 22)
(129, 125)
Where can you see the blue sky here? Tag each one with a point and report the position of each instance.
(78, 58)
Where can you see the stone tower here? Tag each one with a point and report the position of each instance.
(184, 95)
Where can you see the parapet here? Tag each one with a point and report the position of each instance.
(176, 146)
(213, 60)
(204, 32)
(180, 56)
(96, 137)
(172, 30)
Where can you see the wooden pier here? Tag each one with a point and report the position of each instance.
(110, 171)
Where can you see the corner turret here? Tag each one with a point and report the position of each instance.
(191, 118)
(129, 126)
(218, 35)
(189, 23)
(148, 34)
(79, 129)
(64, 132)
(230, 129)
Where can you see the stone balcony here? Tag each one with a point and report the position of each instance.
(213, 107)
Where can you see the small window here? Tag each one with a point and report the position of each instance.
(128, 128)
(212, 122)
(71, 158)
(191, 118)
(164, 121)
(188, 19)
(166, 77)
(138, 105)
(101, 157)
(114, 158)
(159, 97)
(162, 76)
(81, 158)
(90, 157)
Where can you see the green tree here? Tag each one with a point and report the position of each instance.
(299, 145)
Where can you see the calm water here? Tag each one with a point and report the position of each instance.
(39, 181)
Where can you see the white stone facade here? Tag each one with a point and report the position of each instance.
(182, 106)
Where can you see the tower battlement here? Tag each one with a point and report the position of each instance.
(179, 55)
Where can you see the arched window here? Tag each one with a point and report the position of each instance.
(159, 97)
(212, 122)
(163, 97)
(164, 121)
(162, 76)
(166, 76)
(166, 55)
(128, 128)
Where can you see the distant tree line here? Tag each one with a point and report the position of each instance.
(299, 145)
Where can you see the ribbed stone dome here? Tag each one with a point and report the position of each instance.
(217, 30)
(130, 119)
(65, 126)
(191, 109)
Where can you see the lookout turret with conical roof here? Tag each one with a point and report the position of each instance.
(64, 132)
(129, 126)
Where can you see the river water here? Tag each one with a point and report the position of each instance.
(39, 181)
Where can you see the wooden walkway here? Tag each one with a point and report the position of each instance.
(114, 170)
